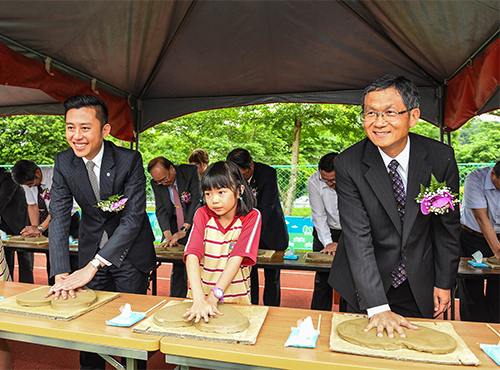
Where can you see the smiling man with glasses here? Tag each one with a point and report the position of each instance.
(392, 261)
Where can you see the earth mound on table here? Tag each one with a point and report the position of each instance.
(34, 298)
(82, 300)
(493, 261)
(171, 316)
(423, 340)
(232, 321)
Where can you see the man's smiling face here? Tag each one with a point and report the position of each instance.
(391, 137)
(84, 132)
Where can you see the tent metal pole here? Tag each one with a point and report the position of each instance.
(440, 101)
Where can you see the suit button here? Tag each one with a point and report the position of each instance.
(393, 273)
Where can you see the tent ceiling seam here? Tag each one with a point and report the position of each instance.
(165, 50)
(471, 58)
(391, 42)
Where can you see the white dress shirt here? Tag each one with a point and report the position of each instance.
(324, 208)
(403, 159)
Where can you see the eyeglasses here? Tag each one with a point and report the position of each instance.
(328, 181)
(390, 115)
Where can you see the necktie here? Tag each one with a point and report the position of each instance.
(400, 196)
(95, 187)
(178, 208)
(42, 206)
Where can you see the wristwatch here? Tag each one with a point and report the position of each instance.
(184, 228)
(40, 228)
(218, 293)
(96, 263)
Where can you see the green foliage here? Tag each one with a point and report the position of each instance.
(478, 142)
(264, 130)
(38, 138)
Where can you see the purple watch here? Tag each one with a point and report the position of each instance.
(218, 293)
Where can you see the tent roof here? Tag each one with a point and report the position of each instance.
(170, 58)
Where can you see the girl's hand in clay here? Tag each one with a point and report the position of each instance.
(201, 309)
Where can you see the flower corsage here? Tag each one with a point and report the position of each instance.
(115, 203)
(45, 194)
(186, 197)
(254, 191)
(437, 198)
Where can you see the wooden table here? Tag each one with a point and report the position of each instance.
(88, 332)
(466, 271)
(269, 351)
(37, 248)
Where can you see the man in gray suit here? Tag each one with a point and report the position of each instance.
(177, 197)
(115, 248)
(392, 260)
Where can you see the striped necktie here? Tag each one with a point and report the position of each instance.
(400, 196)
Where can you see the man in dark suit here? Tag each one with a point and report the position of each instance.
(115, 249)
(177, 189)
(392, 260)
(274, 235)
(13, 218)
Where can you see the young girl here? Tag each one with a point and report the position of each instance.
(223, 243)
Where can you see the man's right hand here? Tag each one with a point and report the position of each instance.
(330, 248)
(168, 237)
(390, 322)
(59, 292)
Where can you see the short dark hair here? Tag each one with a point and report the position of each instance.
(496, 169)
(241, 157)
(24, 171)
(198, 156)
(227, 175)
(326, 162)
(162, 161)
(405, 87)
(88, 101)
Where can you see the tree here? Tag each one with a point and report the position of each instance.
(38, 138)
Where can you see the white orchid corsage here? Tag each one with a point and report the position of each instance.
(437, 198)
(45, 194)
(115, 203)
(254, 191)
(186, 197)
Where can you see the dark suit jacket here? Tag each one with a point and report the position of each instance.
(373, 242)
(274, 233)
(13, 207)
(129, 231)
(188, 180)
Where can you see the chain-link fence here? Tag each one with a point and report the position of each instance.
(292, 184)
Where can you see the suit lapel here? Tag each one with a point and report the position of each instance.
(419, 172)
(378, 178)
(81, 177)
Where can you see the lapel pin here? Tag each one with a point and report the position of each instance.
(108, 174)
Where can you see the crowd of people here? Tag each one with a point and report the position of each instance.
(392, 260)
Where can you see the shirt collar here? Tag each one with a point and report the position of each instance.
(403, 158)
(97, 159)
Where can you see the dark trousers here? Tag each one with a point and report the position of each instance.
(272, 286)
(125, 279)
(24, 259)
(476, 304)
(401, 301)
(323, 293)
(178, 280)
(73, 259)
